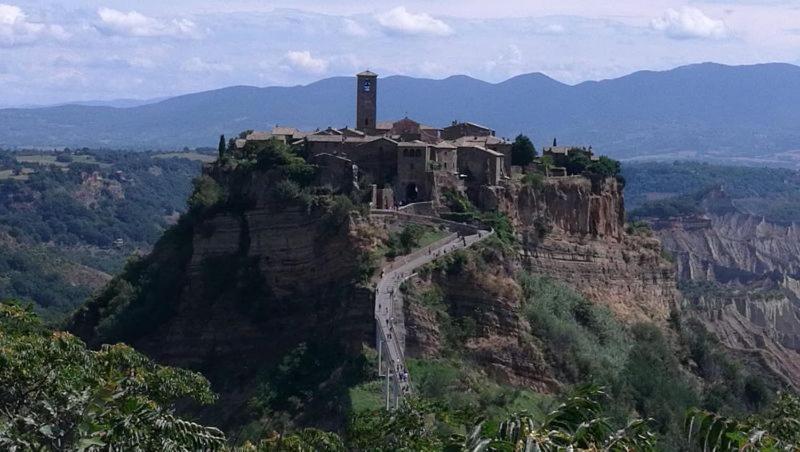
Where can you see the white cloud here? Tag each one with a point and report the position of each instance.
(689, 23)
(303, 61)
(399, 20)
(16, 29)
(138, 25)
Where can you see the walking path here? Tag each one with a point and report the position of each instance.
(391, 359)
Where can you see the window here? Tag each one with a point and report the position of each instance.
(367, 86)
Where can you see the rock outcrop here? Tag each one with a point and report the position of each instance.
(261, 276)
(749, 267)
(573, 230)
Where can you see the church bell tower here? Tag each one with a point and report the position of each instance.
(366, 101)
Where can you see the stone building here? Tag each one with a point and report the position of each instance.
(402, 159)
(465, 129)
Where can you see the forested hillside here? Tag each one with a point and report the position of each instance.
(668, 189)
(711, 109)
(69, 220)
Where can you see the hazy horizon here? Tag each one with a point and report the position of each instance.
(143, 101)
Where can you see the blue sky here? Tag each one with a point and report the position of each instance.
(53, 51)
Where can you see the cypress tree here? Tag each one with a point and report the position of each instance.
(221, 147)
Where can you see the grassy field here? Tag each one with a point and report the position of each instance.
(9, 175)
(50, 159)
(205, 158)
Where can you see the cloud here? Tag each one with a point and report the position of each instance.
(135, 24)
(303, 61)
(399, 20)
(16, 29)
(689, 23)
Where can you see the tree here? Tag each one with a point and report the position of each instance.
(605, 167)
(221, 147)
(547, 163)
(55, 394)
(522, 151)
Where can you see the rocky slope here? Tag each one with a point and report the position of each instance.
(238, 287)
(574, 231)
(739, 276)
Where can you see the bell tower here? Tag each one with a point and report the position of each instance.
(366, 101)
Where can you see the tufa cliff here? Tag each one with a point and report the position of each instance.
(241, 282)
(571, 231)
(738, 273)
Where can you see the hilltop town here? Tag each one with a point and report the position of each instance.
(406, 161)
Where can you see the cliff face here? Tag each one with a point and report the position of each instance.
(731, 245)
(488, 304)
(752, 264)
(574, 231)
(260, 278)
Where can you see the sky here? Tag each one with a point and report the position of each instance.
(61, 51)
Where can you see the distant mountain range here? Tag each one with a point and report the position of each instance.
(710, 109)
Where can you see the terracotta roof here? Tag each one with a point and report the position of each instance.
(259, 136)
(473, 124)
(482, 149)
(388, 125)
(412, 144)
(348, 129)
(444, 145)
(277, 130)
(314, 138)
(371, 138)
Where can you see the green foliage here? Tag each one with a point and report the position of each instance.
(301, 382)
(55, 394)
(639, 227)
(770, 192)
(653, 380)
(605, 167)
(144, 294)
(405, 241)
(413, 427)
(668, 208)
(583, 340)
(62, 218)
(305, 440)
(576, 163)
(207, 193)
(576, 424)
(534, 180)
(522, 151)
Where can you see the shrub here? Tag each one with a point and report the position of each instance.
(207, 192)
(534, 180)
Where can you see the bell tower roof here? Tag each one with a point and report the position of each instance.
(367, 74)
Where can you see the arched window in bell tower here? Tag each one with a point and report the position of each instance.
(367, 86)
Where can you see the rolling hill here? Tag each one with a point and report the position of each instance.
(711, 109)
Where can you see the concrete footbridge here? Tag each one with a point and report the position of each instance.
(390, 330)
